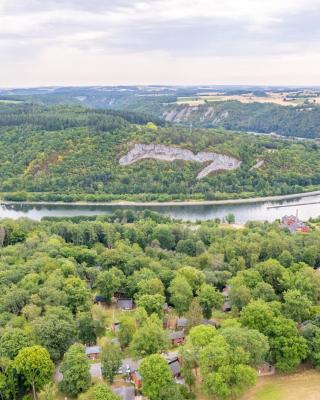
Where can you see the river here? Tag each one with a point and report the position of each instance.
(306, 205)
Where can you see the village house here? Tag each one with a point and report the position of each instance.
(93, 352)
(181, 323)
(293, 224)
(125, 304)
(136, 379)
(177, 338)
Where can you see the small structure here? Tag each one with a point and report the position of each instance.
(115, 327)
(177, 338)
(226, 292)
(100, 300)
(125, 392)
(175, 367)
(125, 304)
(293, 224)
(181, 323)
(93, 352)
(136, 379)
(226, 306)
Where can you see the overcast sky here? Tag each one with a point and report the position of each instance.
(106, 42)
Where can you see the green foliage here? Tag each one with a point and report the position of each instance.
(99, 392)
(110, 361)
(224, 370)
(156, 376)
(54, 333)
(209, 298)
(181, 294)
(35, 365)
(72, 153)
(75, 369)
(153, 304)
(150, 338)
(12, 341)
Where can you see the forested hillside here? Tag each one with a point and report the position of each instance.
(249, 299)
(164, 103)
(299, 121)
(71, 153)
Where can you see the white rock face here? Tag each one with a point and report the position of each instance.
(258, 165)
(169, 153)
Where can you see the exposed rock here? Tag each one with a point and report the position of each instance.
(258, 165)
(169, 153)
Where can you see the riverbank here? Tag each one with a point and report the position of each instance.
(169, 203)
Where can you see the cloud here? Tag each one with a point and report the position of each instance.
(32, 30)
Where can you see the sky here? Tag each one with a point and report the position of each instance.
(169, 42)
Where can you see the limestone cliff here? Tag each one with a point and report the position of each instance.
(169, 153)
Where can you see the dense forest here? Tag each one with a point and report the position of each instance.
(297, 121)
(52, 272)
(72, 153)
(161, 102)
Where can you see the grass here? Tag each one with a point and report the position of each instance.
(301, 385)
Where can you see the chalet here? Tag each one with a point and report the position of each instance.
(136, 379)
(125, 392)
(92, 352)
(177, 338)
(125, 304)
(181, 323)
(293, 224)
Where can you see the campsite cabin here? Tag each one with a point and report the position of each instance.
(177, 338)
(181, 323)
(125, 304)
(92, 352)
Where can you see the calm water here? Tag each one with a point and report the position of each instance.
(243, 212)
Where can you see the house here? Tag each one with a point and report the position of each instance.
(125, 304)
(293, 224)
(136, 379)
(177, 338)
(92, 352)
(125, 392)
(175, 367)
(181, 323)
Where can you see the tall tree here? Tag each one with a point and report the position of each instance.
(110, 360)
(35, 365)
(75, 369)
(156, 375)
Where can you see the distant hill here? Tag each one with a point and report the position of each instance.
(163, 103)
(72, 153)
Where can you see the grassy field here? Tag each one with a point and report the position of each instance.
(303, 385)
(276, 98)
